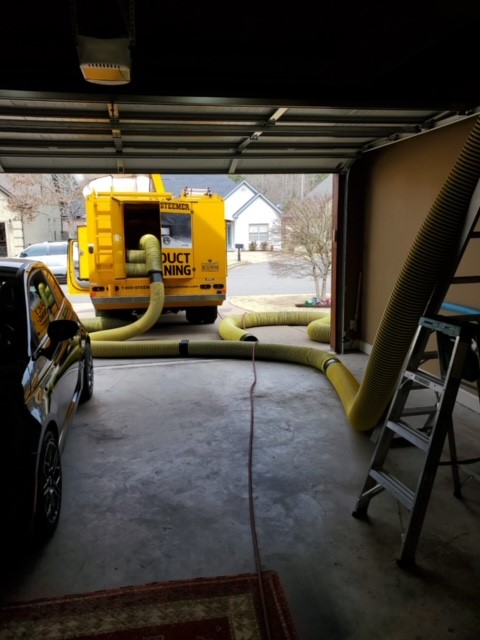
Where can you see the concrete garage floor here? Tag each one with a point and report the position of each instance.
(156, 489)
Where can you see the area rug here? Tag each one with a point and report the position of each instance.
(221, 608)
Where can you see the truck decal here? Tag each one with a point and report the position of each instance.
(177, 264)
(210, 266)
(178, 270)
(174, 206)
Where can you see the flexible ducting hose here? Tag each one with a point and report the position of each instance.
(310, 356)
(429, 261)
(318, 324)
(136, 266)
(136, 256)
(343, 381)
(100, 324)
(153, 257)
(430, 255)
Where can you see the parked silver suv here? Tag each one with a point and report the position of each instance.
(53, 254)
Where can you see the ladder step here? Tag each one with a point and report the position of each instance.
(419, 411)
(425, 380)
(418, 438)
(465, 279)
(450, 326)
(393, 485)
(429, 355)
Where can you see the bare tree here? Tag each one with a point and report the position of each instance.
(280, 188)
(67, 193)
(30, 193)
(305, 230)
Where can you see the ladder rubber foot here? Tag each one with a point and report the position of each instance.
(407, 565)
(360, 514)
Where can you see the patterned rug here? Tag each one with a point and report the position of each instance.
(223, 608)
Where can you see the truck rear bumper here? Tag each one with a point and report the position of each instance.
(107, 303)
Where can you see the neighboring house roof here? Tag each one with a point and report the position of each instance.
(220, 184)
(241, 185)
(255, 194)
(249, 203)
(4, 185)
(4, 191)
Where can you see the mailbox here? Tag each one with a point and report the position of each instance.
(239, 247)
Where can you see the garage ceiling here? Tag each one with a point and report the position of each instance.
(250, 92)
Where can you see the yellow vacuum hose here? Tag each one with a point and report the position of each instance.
(153, 256)
(429, 260)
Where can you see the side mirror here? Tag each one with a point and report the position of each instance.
(58, 331)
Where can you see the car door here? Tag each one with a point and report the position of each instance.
(56, 375)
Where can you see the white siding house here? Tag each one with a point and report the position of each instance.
(11, 231)
(251, 216)
(16, 234)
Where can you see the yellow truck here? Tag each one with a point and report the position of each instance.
(106, 261)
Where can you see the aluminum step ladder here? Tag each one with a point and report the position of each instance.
(422, 426)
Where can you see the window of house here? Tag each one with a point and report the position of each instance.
(258, 233)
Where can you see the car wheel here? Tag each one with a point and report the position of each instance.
(87, 387)
(49, 488)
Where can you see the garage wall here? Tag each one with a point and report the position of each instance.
(390, 192)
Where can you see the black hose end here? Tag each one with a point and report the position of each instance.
(155, 276)
(329, 362)
(247, 337)
(183, 347)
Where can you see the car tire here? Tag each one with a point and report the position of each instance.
(49, 488)
(88, 378)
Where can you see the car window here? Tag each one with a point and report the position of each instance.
(58, 249)
(43, 306)
(34, 250)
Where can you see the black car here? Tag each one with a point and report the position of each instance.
(46, 370)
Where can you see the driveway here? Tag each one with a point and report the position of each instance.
(257, 279)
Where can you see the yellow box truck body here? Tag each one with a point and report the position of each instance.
(110, 264)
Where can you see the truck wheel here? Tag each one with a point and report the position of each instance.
(201, 315)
